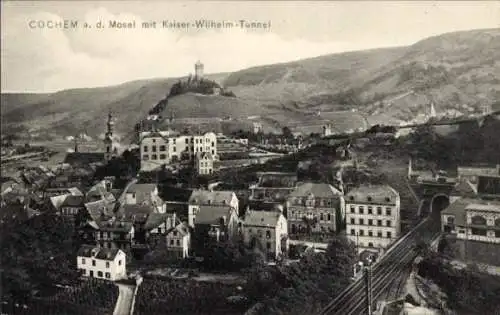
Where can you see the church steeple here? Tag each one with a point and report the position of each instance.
(108, 139)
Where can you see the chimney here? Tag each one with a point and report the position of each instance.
(174, 219)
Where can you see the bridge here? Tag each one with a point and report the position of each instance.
(399, 258)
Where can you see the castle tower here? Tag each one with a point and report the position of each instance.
(110, 149)
(198, 70)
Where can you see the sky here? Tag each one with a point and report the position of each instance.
(36, 58)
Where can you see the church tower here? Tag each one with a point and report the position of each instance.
(198, 70)
(433, 111)
(110, 148)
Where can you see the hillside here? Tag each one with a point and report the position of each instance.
(384, 85)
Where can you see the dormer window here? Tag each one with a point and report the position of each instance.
(387, 199)
(351, 198)
(369, 198)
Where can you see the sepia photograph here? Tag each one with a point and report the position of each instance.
(250, 157)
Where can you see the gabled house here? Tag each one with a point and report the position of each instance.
(115, 234)
(145, 194)
(315, 208)
(266, 230)
(215, 224)
(204, 163)
(273, 186)
(93, 214)
(200, 198)
(178, 240)
(72, 206)
(101, 263)
(101, 191)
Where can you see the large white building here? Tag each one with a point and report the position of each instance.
(164, 147)
(373, 217)
(101, 263)
(267, 230)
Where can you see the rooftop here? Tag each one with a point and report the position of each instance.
(373, 194)
(98, 253)
(318, 190)
(84, 158)
(206, 197)
(212, 214)
(262, 218)
(460, 207)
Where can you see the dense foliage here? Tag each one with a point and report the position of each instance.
(89, 298)
(184, 297)
(468, 291)
(303, 287)
(36, 254)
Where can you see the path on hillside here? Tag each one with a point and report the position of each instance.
(125, 299)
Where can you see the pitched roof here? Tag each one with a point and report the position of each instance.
(143, 193)
(84, 158)
(115, 226)
(128, 211)
(460, 207)
(212, 214)
(73, 201)
(99, 210)
(154, 220)
(463, 188)
(319, 190)
(262, 218)
(57, 201)
(181, 228)
(373, 194)
(75, 191)
(203, 155)
(216, 197)
(97, 252)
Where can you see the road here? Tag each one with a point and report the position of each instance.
(125, 298)
(394, 263)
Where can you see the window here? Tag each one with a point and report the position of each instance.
(361, 232)
(379, 222)
(107, 264)
(119, 262)
(145, 157)
(476, 231)
(93, 263)
(369, 199)
(361, 209)
(178, 243)
(174, 140)
(361, 221)
(171, 242)
(379, 234)
(213, 144)
(99, 274)
(268, 245)
(268, 234)
(321, 216)
(370, 222)
(175, 149)
(329, 217)
(353, 221)
(163, 156)
(83, 261)
(153, 148)
(353, 232)
(370, 210)
(379, 210)
(389, 235)
(163, 148)
(108, 275)
(145, 148)
(387, 211)
(352, 209)
(154, 157)
(370, 233)
(370, 244)
(388, 223)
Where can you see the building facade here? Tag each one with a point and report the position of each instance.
(115, 234)
(373, 217)
(163, 147)
(473, 219)
(101, 263)
(204, 163)
(315, 208)
(178, 241)
(266, 230)
(145, 194)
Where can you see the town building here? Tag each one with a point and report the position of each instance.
(159, 148)
(473, 220)
(273, 186)
(213, 198)
(101, 263)
(214, 224)
(373, 217)
(266, 230)
(110, 147)
(315, 208)
(204, 163)
(145, 194)
(72, 206)
(178, 241)
(115, 234)
(472, 172)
